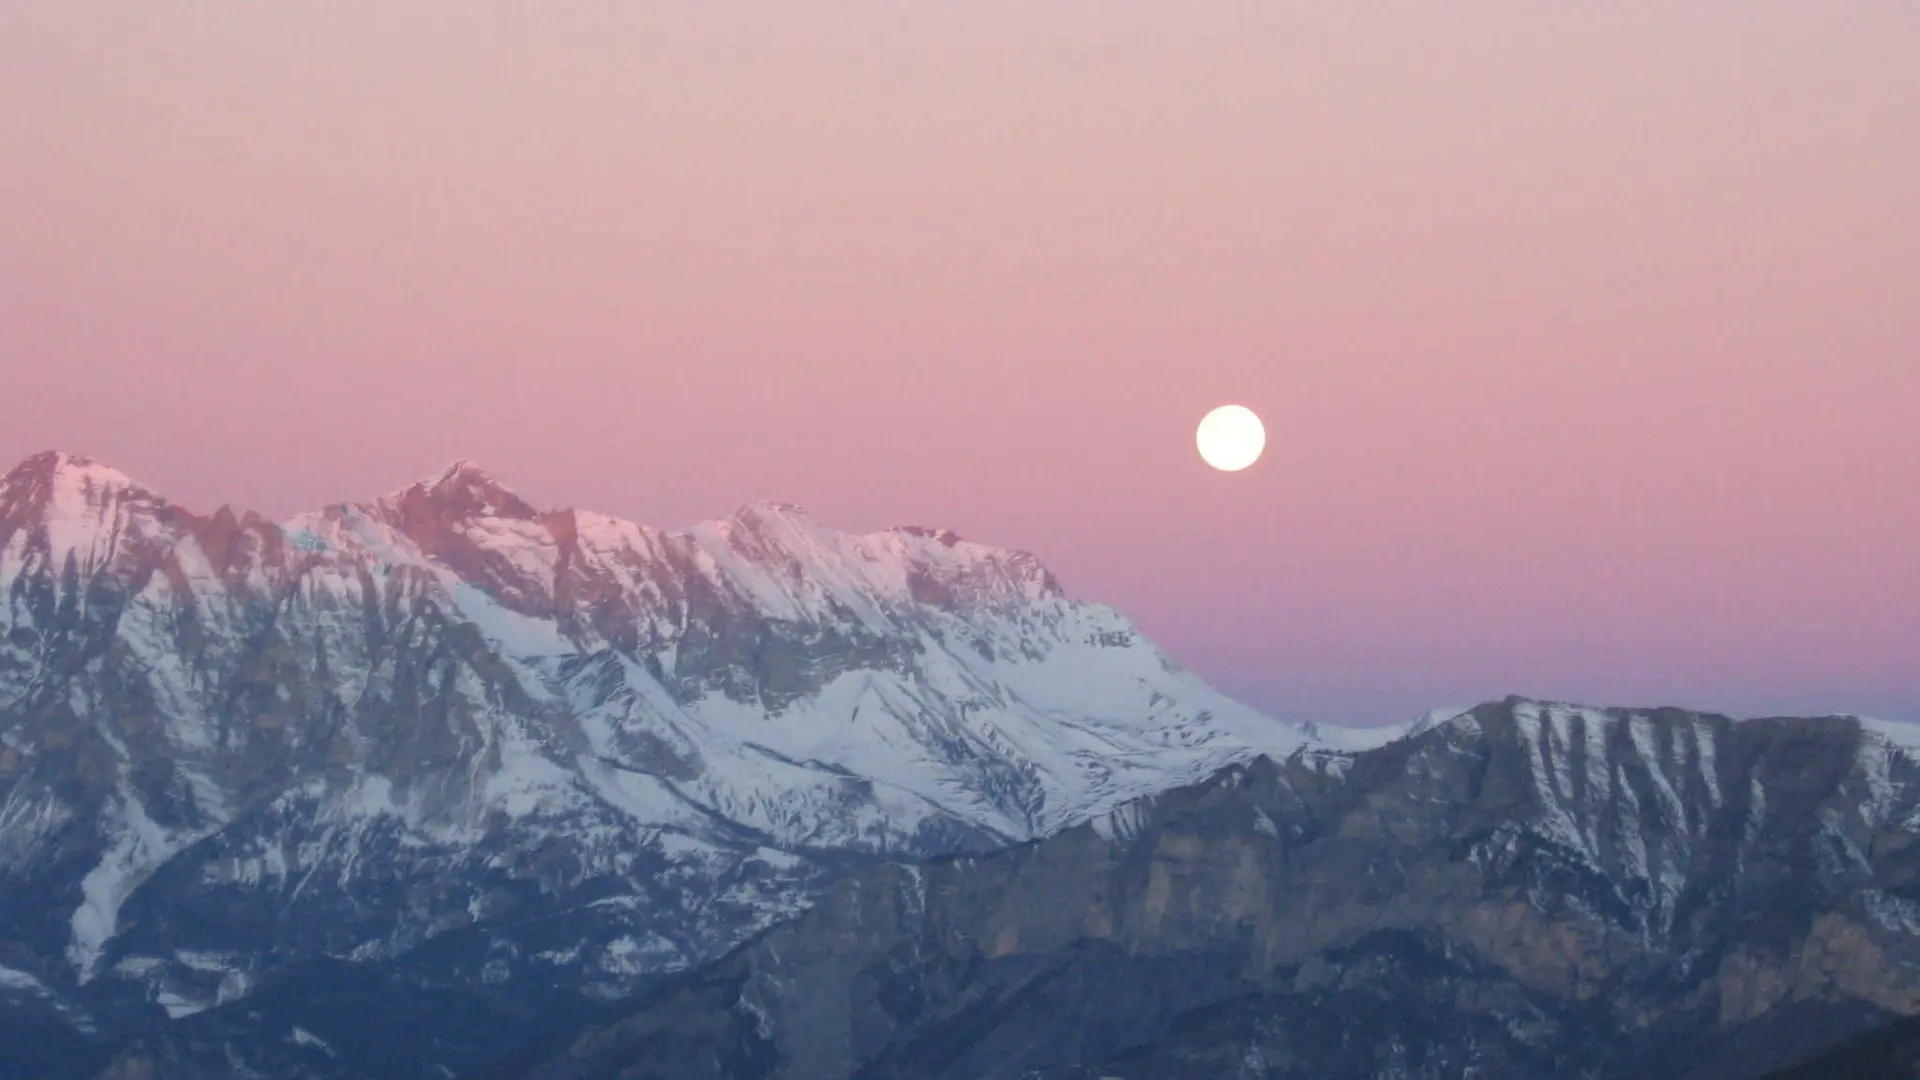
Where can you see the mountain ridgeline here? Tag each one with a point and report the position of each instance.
(443, 785)
(1526, 890)
(443, 746)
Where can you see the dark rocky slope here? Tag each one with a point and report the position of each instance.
(1526, 891)
(1887, 1053)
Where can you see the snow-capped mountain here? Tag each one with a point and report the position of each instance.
(552, 745)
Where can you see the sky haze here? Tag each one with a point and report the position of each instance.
(1587, 337)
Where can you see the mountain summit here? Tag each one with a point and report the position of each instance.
(464, 489)
(57, 508)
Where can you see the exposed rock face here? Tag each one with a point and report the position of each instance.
(444, 743)
(1526, 890)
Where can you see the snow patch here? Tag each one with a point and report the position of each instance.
(11, 979)
(137, 846)
(302, 1037)
(1903, 735)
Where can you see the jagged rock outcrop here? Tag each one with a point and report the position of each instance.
(446, 745)
(1526, 889)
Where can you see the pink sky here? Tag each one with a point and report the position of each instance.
(1587, 336)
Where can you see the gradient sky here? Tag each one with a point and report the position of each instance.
(1587, 335)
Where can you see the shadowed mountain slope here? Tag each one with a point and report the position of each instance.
(1887, 1053)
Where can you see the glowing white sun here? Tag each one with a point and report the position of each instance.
(1231, 438)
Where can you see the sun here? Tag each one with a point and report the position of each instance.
(1231, 438)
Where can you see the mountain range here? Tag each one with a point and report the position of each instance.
(561, 749)
(442, 784)
(1525, 890)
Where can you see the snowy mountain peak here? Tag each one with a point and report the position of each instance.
(461, 490)
(462, 467)
(772, 509)
(61, 511)
(944, 537)
(1433, 718)
(55, 481)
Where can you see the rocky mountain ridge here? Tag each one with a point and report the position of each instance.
(450, 734)
(1526, 889)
